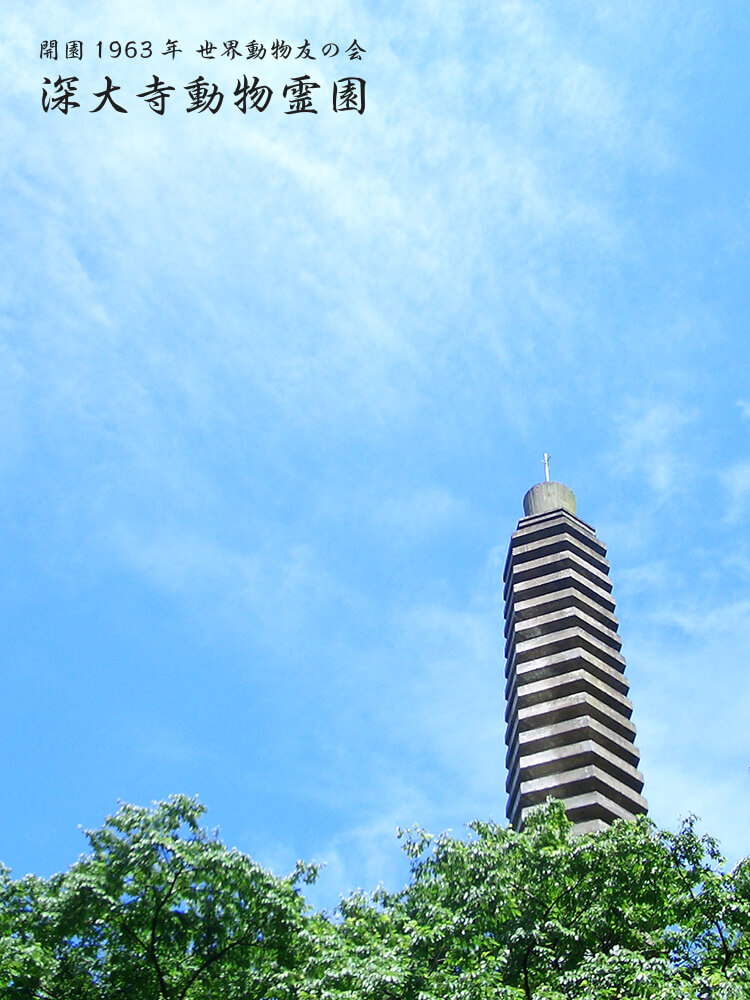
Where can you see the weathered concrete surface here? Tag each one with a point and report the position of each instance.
(548, 497)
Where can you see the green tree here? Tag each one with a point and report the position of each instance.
(159, 909)
(628, 912)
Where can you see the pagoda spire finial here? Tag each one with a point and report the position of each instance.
(546, 459)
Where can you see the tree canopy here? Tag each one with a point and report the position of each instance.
(160, 909)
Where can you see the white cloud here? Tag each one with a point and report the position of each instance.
(651, 447)
(692, 699)
(736, 482)
(153, 208)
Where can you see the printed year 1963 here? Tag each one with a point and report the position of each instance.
(129, 49)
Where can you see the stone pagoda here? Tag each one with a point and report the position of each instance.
(569, 732)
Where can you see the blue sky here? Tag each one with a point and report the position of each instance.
(273, 388)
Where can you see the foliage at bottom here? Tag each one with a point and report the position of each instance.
(160, 909)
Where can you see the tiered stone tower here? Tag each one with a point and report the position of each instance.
(569, 733)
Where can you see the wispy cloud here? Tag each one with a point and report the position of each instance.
(651, 446)
(736, 482)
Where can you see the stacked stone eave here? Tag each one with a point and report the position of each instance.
(569, 732)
